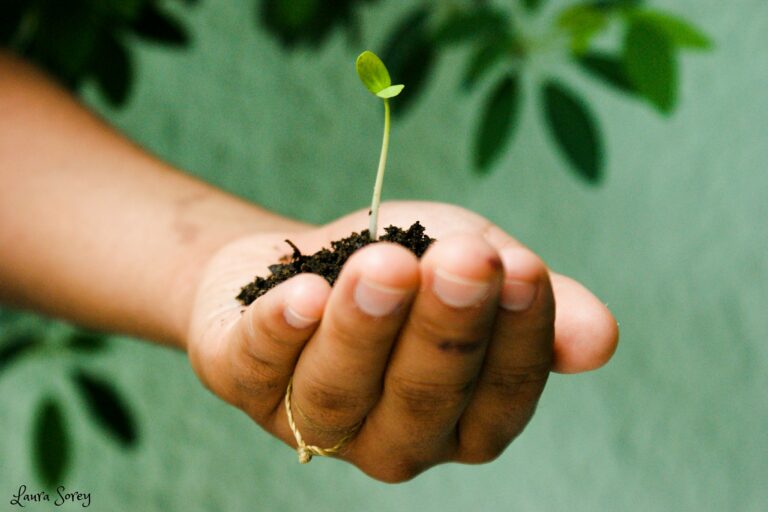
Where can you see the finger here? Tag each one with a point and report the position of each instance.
(268, 340)
(517, 361)
(586, 333)
(438, 356)
(339, 375)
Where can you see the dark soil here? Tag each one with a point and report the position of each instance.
(328, 262)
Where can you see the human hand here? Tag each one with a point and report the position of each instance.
(427, 361)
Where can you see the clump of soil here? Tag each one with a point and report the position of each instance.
(328, 262)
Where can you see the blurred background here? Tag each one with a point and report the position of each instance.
(624, 141)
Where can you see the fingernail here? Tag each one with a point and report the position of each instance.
(297, 320)
(376, 299)
(458, 292)
(517, 295)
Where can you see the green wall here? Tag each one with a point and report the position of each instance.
(675, 241)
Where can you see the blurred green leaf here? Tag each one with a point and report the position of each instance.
(607, 68)
(159, 27)
(532, 5)
(307, 22)
(471, 24)
(582, 22)
(649, 60)
(51, 443)
(64, 39)
(107, 407)
(574, 129)
(113, 71)
(295, 13)
(680, 32)
(118, 10)
(86, 341)
(483, 60)
(10, 21)
(613, 4)
(410, 55)
(498, 121)
(15, 348)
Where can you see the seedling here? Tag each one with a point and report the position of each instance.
(374, 75)
(329, 262)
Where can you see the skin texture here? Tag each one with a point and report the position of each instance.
(440, 359)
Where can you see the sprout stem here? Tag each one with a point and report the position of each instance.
(373, 214)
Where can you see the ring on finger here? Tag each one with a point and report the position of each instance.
(307, 451)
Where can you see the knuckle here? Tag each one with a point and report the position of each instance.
(420, 397)
(397, 472)
(251, 379)
(485, 452)
(462, 347)
(334, 402)
(510, 382)
(252, 365)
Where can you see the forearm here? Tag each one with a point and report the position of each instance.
(91, 227)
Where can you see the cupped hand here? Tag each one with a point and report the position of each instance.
(419, 361)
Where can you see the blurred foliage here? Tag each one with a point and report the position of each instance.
(52, 445)
(574, 129)
(498, 119)
(107, 407)
(644, 66)
(83, 40)
(308, 22)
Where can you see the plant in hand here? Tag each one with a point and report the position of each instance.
(328, 262)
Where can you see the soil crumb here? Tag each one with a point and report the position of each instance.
(328, 262)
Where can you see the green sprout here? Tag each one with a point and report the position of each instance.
(374, 75)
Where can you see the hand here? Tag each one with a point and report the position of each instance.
(439, 359)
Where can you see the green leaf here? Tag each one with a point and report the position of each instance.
(615, 4)
(113, 71)
(308, 22)
(390, 92)
(482, 61)
(107, 407)
(51, 443)
(157, 26)
(680, 32)
(574, 129)
(66, 36)
(498, 121)
(16, 348)
(608, 68)
(86, 341)
(650, 63)
(11, 21)
(532, 5)
(410, 54)
(582, 22)
(372, 72)
(475, 23)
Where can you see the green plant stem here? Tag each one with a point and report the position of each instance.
(373, 214)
